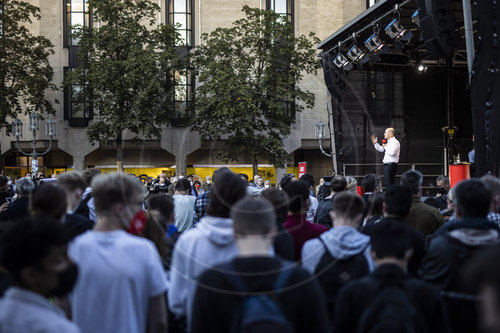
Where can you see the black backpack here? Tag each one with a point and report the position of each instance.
(391, 311)
(83, 208)
(334, 273)
(261, 313)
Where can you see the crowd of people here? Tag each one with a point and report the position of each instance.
(92, 252)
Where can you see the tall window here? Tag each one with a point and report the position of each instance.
(180, 14)
(282, 7)
(183, 92)
(76, 111)
(77, 13)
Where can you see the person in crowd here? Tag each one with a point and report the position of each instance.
(123, 272)
(390, 299)
(73, 183)
(449, 213)
(48, 201)
(34, 253)
(210, 243)
(267, 184)
(260, 183)
(19, 208)
(443, 187)
(286, 179)
(341, 251)
(171, 187)
(311, 211)
(192, 190)
(337, 184)
(483, 277)
(375, 210)
(397, 204)
(321, 182)
(352, 184)
(494, 186)
(86, 207)
(207, 183)
(425, 218)
(454, 244)
(244, 176)
(184, 205)
(221, 304)
(283, 241)
(371, 183)
(203, 200)
(296, 223)
(391, 149)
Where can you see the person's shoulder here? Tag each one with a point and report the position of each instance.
(311, 245)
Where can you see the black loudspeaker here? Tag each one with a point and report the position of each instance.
(438, 27)
(334, 78)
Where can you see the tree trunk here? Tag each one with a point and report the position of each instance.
(255, 166)
(119, 152)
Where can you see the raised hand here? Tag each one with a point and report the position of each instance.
(374, 139)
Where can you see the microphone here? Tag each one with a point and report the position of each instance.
(384, 141)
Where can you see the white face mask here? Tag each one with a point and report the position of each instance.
(209, 181)
(191, 183)
(266, 186)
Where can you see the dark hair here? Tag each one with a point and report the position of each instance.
(338, 183)
(370, 182)
(48, 200)
(398, 200)
(298, 193)
(412, 179)
(27, 243)
(161, 202)
(183, 184)
(348, 205)
(308, 178)
(228, 189)
(375, 204)
(286, 180)
(472, 198)
(89, 174)
(155, 229)
(244, 175)
(3, 180)
(390, 239)
(253, 216)
(279, 199)
(219, 172)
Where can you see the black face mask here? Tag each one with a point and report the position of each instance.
(67, 280)
(441, 190)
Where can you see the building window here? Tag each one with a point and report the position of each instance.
(183, 92)
(282, 7)
(180, 14)
(76, 110)
(76, 13)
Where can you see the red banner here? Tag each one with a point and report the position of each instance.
(302, 168)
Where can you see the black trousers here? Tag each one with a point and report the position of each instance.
(390, 170)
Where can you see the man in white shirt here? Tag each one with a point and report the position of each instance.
(184, 205)
(122, 284)
(391, 147)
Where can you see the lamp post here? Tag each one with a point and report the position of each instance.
(320, 135)
(50, 131)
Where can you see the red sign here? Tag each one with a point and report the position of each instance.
(302, 168)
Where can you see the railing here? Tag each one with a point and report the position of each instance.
(380, 165)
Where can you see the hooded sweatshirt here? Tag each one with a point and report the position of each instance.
(210, 243)
(342, 242)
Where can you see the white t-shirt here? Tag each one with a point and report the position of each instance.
(118, 273)
(184, 211)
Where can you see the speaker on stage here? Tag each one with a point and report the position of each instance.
(335, 79)
(438, 27)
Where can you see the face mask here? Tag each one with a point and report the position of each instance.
(137, 223)
(67, 279)
(266, 186)
(208, 182)
(191, 183)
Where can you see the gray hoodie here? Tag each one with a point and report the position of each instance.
(210, 243)
(342, 242)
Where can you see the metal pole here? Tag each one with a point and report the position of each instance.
(469, 35)
(331, 128)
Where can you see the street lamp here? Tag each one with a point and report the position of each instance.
(50, 131)
(320, 135)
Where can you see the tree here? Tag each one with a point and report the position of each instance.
(25, 72)
(249, 93)
(126, 71)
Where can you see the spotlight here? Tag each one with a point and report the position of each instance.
(415, 18)
(340, 61)
(395, 30)
(355, 54)
(421, 68)
(374, 44)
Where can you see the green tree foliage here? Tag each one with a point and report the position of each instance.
(249, 92)
(25, 72)
(126, 71)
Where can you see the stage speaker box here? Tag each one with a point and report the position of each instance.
(334, 78)
(438, 27)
